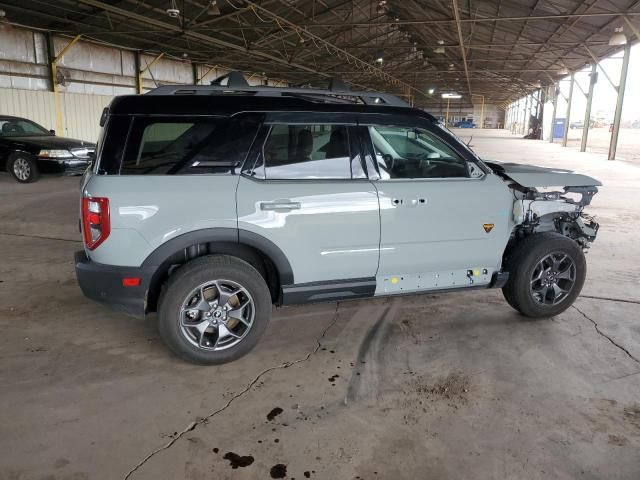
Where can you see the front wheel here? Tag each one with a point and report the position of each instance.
(23, 168)
(214, 310)
(546, 274)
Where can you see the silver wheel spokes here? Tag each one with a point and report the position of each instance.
(21, 168)
(553, 278)
(217, 315)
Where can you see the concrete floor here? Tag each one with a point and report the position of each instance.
(430, 387)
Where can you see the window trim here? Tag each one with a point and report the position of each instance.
(368, 144)
(168, 118)
(257, 150)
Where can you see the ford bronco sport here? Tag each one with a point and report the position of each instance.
(210, 204)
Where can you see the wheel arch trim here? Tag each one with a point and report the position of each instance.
(227, 235)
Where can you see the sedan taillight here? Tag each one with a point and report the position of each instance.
(95, 221)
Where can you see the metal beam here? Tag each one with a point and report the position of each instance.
(565, 133)
(431, 21)
(555, 109)
(128, 14)
(53, 64)
(587, 113)
(595, 59)
(148, 66)
(632, 27)
(463, 53)
(613, 145)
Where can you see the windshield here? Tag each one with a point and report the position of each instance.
(19, 127)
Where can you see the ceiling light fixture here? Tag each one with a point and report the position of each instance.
(431, 91)
(618, 38)
(439, 50)
(4, 21)
(451, 95)
(173, 11)
(214, 9)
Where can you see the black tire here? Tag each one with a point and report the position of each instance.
(23, 168)
(189, 277)
(523, 260)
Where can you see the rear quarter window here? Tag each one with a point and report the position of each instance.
(184, 146)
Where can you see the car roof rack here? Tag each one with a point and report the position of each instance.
(235, 83)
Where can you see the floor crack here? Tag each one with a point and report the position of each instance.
(40, 237)
(611, 299)
(193, 425)
(600, 332)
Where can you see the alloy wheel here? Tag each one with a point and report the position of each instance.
(553, 278)
(217, 315)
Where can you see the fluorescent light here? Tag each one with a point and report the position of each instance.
(451, 95)
(618, 38)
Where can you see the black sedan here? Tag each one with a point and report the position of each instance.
(26, 149)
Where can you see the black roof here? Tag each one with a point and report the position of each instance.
(235, 103)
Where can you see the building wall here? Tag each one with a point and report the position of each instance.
(80, 112)
(89, 75)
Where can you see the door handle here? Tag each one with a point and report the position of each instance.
(282, 205)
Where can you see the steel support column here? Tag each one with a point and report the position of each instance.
(194, 72)
(136, 59)
(565, 134)
(524, 116)
(613, 145)
(555, 108)
(593, 78)
(53, 64)
(141, 72)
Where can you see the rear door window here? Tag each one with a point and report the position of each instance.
(187, 146)
(316, 151)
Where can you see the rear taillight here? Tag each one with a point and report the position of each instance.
(95, 221)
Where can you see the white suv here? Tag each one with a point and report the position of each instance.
(210, 204)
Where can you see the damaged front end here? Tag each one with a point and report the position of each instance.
(540, 206)
(543, 211)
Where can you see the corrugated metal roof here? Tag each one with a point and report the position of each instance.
(498, 49)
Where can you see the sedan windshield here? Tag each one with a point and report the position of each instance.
(19, 127)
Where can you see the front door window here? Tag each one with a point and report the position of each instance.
(403, 152)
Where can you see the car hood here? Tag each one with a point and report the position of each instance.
(48, 141)
(533, 176)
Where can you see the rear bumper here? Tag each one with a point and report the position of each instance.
(103, 283)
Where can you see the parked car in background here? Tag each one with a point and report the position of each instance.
(28, 149)
(574, 125)
(464, 124)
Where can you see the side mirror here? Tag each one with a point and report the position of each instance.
(52, 132)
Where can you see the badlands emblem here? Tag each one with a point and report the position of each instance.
(487, 227)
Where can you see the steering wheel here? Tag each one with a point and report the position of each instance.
(389, 161)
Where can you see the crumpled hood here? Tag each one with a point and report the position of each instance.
(533, 176)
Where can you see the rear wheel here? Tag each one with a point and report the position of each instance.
(214, 310)
(546, 274)
(23, 168)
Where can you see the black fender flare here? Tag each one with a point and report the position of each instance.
(227, 235)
